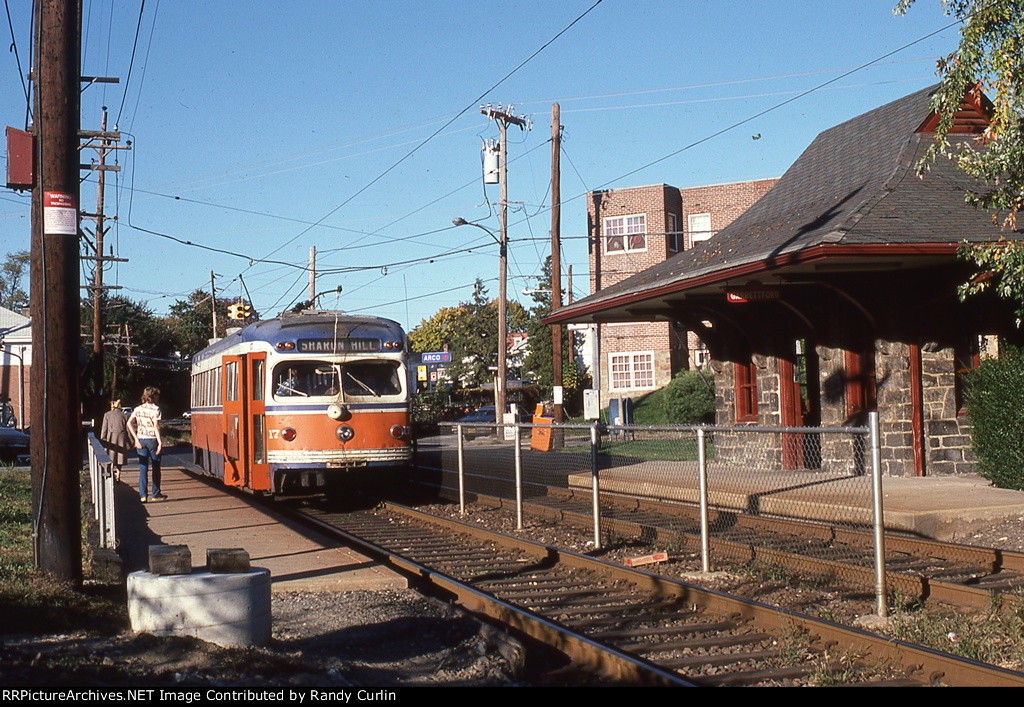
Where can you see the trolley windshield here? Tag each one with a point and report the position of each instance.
(325, 379)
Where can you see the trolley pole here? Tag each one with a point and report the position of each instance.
(56, 317)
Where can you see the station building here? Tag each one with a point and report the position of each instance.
(836, 293)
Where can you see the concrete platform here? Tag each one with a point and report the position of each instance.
(944, 508)
(203, 515)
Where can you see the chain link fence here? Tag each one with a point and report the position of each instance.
(803, 498)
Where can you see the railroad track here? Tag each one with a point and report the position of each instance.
(637, 627)
(922, 569)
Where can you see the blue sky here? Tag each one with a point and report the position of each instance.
(265, 128)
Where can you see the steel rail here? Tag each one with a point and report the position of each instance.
(927, 665)
(609, 661)
(920, 585)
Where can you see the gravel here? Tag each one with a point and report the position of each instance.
(383, 639)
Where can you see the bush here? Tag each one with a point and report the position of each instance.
(995, 409)
(689, 399)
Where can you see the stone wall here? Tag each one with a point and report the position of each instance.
(946, 430)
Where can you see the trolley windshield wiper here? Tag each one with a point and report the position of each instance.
(362, 385)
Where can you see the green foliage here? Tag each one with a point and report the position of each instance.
(989, 60)
(190, 321)
(30, 600)
(539, 363)
(470, 333)
(12, 273)
(689, 399)
(995, 408)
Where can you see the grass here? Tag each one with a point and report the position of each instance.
(994, 636)
(31, 600)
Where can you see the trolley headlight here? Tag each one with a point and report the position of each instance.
(288, 434)
(345, 433)
(399, 431)
(338, 412)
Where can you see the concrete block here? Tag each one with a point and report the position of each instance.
(231, 610)
(170, 559)
(227, 561)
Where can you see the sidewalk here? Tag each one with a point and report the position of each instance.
(199, 513)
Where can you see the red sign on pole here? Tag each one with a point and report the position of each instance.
(60, 214)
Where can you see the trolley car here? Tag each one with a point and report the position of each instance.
(284, 405)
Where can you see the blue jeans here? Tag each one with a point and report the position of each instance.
(147, 452)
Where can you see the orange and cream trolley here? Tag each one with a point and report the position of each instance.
(283, 405)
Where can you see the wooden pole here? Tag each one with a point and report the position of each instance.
(56, 318)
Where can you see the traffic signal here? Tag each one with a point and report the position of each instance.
(239, 310)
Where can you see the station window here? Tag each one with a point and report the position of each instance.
(860, 382)
(966, 357)
(745, 375)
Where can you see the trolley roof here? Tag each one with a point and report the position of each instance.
(308, 324)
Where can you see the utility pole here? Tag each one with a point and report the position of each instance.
(503, 119)
(556, 259)
(101, 167)
(56, 319)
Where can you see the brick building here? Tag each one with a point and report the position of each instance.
(636, 228)
(15, 365)
(836, 294)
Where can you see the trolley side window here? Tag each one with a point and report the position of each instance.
(370, 379)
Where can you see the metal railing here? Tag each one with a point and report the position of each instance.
(720, 485)
(101, 476)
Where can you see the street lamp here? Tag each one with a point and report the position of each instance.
(499, 381)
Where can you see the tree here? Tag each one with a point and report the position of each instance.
(989, 60)
(12, 272)
(190, 321)
(469, 331)
(539, 362)
(139, 351)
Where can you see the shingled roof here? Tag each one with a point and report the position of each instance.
(854, 189)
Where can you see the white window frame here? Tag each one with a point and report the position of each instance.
(631, 359)
(698, 235)
(609, 222)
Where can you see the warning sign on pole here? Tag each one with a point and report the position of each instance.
(60, 214)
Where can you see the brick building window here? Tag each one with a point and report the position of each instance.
(860, 382)
(745, 377)
(673, 236)
(699, 226)
(631, 371)
(624, 234)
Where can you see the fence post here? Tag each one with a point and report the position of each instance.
(595, 443)
(878, 518)
(462, 470)
(702, 482)
(517, 439)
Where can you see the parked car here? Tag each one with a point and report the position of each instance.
(484, 415)
(13, 444)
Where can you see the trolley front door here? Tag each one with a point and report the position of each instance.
(256, 432)
(236, 462)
